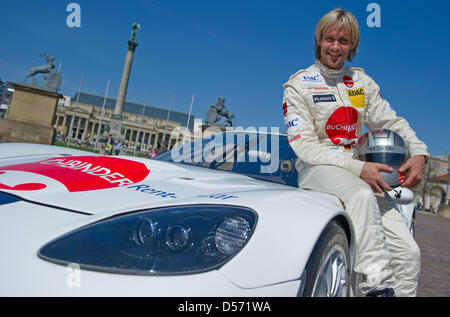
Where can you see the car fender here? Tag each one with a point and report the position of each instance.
(279, 256)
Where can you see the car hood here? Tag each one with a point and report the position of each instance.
(94, 184)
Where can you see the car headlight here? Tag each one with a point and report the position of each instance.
(163, 241)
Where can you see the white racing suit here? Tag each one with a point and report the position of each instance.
(324, 113)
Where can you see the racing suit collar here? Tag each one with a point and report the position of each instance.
(327, 72)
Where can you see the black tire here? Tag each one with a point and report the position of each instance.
(333, 241)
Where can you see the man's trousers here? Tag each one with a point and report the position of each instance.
(386, 253)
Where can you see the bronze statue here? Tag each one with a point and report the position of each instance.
(136, 27)
(52, 78)
(215, 113)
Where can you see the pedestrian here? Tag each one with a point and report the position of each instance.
(109, 145)
(151, 152)
(118, 147)
(325, 107)
(161, 148)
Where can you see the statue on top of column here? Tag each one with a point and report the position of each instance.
(136, 27)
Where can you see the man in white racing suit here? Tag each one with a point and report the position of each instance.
(325, 107)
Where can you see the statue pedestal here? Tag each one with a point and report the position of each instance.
(30, 115)
(115, 127)
(208, 130)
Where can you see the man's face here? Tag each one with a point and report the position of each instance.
(335, 47)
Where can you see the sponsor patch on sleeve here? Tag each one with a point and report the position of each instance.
(292, 122)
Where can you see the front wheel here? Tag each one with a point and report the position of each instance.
(328, 268)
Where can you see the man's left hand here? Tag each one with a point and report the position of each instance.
(415, 165)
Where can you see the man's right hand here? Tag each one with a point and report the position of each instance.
(371, 175)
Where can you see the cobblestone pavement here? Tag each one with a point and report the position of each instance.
(433, 238)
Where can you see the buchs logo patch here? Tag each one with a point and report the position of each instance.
(82, 173)
(341, 126)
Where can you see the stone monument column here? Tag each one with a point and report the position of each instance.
(117, 119)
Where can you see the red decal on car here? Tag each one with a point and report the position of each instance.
(26, 186)
(83, 173)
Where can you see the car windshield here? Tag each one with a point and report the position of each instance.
(263, 156)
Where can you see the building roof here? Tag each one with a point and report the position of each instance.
(440, 157)
(133, 107)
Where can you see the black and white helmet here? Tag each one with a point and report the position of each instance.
(386, 147)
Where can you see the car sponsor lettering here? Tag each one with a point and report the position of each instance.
(348, 81)
(341, 126)
(143, 188)
(84, 173)
(324, 98)
(218, 196)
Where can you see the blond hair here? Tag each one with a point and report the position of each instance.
(342, 20)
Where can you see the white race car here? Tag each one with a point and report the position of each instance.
(222, 216)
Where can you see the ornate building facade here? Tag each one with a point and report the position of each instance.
(432, 192)
(144, 126)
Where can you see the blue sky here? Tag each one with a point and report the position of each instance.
(243, 50)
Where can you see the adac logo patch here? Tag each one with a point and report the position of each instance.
(341, 126)
(79, 173)
(357, 97)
